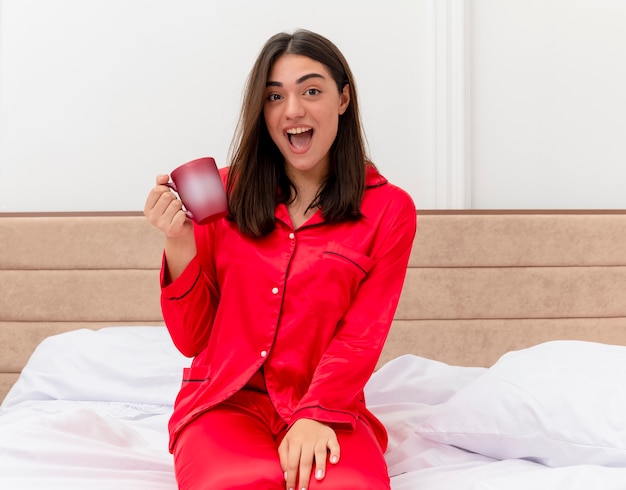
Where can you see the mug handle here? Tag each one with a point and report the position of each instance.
(172, 186)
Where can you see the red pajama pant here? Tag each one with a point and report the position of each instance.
(234, 446)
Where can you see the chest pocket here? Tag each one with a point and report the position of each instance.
(338, 276)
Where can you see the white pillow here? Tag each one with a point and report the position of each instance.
(120, 364)
(559, 403)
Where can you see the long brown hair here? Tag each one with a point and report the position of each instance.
(257, 180)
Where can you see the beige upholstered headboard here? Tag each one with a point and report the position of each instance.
(68, 271)
(478, 285)
(482, 283)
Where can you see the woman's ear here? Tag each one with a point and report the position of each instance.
(344, 99)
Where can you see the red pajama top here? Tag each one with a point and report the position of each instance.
(312, 306)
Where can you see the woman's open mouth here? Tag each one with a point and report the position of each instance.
(299, 137)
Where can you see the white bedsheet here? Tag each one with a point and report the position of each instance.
(90, 412)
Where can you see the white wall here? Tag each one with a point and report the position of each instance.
(466, 103)
(98, 96)
(548, 126)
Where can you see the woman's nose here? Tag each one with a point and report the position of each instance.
(294, 108)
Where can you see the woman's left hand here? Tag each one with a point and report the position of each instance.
(307, 443)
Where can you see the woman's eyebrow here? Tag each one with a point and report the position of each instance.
(300, 80)
(310, 75)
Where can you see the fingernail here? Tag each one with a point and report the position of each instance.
(319, 474)
(334, 459)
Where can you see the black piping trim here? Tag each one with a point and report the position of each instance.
(347, 258)
(378, 184)
(196, 380)
(188, 291)
(327, 410)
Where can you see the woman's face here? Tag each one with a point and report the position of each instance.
(302, 108)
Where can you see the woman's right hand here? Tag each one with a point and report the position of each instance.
(165, 212)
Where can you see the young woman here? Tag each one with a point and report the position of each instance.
(285, 304)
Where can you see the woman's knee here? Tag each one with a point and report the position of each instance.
(227, 448)
(251, 477)
(362, 465)
(353, 478)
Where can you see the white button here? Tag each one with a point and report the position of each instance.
(292, 235)
(274, 290)
(263, 353)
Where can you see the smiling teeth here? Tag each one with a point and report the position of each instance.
(298, 130)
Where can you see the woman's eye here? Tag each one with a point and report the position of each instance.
(273, 97)
(312, 91)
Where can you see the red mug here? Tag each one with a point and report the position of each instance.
(199, 186)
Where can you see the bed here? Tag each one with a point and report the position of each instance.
(503, 369)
